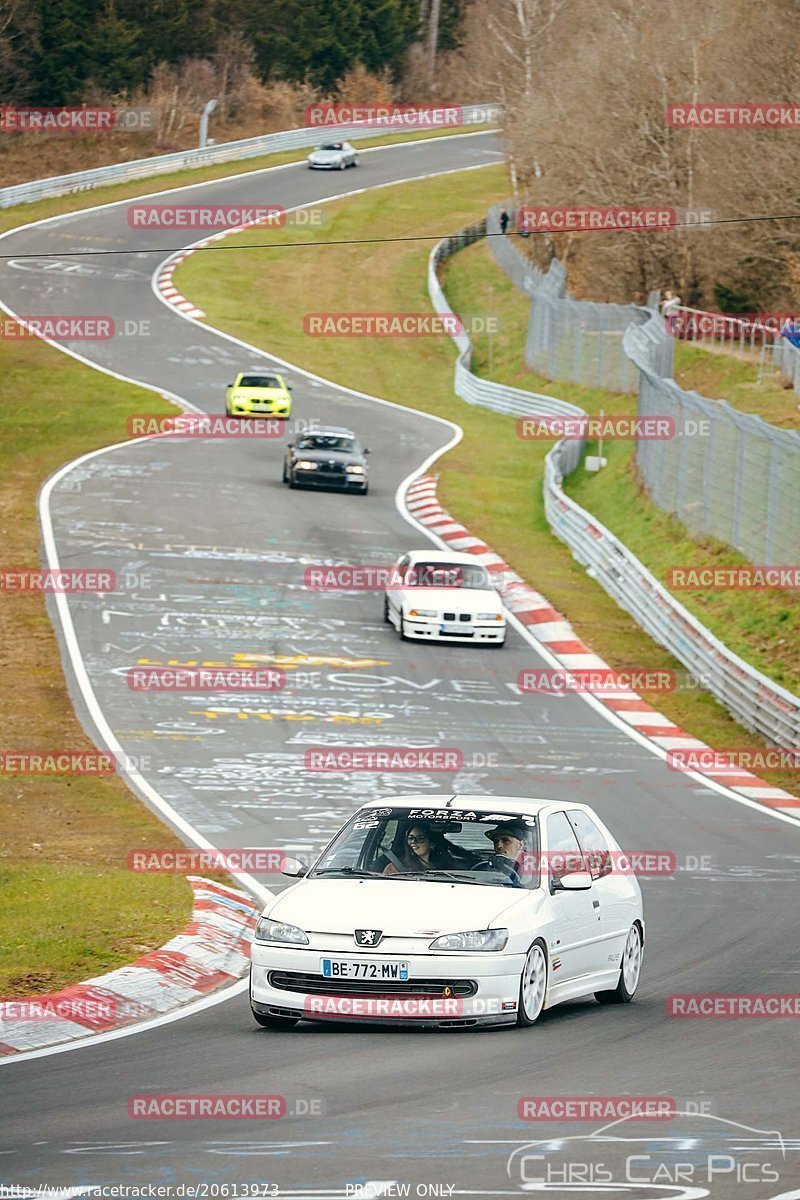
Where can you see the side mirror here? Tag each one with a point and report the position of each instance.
(289, 387)
(574, 881)
(367, 450)
(293, 868)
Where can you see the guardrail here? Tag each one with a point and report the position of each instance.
(474, 388)
(757, 702)
(268, 143)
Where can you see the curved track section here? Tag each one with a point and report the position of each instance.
(215, 550)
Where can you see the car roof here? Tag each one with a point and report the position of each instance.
(328, 431)
(446, 556)
(488, 804)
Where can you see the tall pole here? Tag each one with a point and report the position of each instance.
(433, 37)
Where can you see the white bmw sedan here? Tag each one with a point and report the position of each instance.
(445, 597)
(452, 911)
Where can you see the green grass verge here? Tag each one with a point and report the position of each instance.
(491, 481)
(728, 377)
(70, 906)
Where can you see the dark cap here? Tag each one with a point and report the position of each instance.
(507, 829)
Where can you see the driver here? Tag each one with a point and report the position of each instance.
(508, 839)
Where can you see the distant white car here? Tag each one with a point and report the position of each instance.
(333, 156)
(452, 911)
(445, 597)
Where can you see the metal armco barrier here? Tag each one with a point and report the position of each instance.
(755, 701)
(268, 143)
(473, 388)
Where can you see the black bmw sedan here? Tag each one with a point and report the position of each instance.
(329, 458)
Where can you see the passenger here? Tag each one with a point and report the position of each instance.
(424, 850)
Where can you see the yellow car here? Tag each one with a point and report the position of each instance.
(258, 395)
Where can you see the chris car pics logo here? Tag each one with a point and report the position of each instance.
(624, 1156)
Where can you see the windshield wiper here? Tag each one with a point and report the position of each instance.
(349, 871)
(440, 871)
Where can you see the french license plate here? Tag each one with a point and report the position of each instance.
(354, 968)
(454, 629)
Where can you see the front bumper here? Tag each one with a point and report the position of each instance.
(260, 408)
(342, 481)
(473, 631)
(324, 166)
(492, 979)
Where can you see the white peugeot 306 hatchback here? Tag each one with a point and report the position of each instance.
(452, 911)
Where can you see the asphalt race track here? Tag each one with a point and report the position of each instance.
(211, 549)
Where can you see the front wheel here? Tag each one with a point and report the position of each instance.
(629, 972)
(532, 986)
(342, 164)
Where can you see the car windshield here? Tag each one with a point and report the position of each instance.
(320, 441)
(332, 146)
(448, 575)
(265, 381)
(487, 849)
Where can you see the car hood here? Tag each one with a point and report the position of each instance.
(326, 155)
(452, 599)
(400, 907)
(344, 456)
(252, 393)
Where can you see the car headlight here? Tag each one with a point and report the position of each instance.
(277, 931)
(354, 469)
(305, 464)
(421, 612)
(490, 616)
(478, 939)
